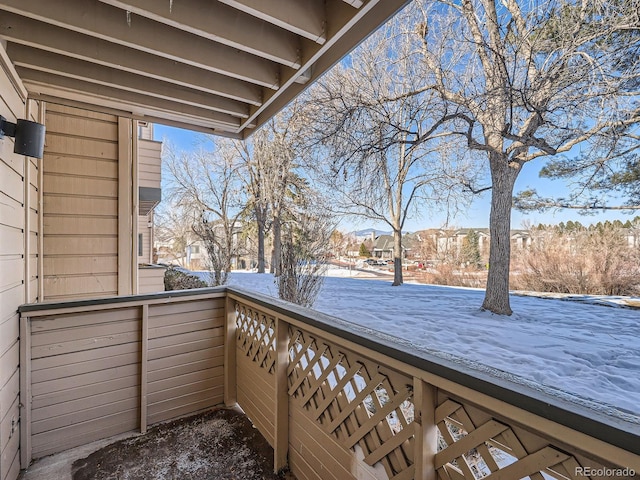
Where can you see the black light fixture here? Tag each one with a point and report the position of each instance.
(29, 136)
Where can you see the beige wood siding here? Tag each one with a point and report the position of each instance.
(85, 378)
(256, 395)
(186, 358)
(12, 271)
(150, 279)
(103, 369)
(149, 164)
(80, 210)
(145, 231)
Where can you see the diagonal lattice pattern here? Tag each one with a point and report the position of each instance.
(473, 446)
(361, 402)
(354, 400)
(255, 336)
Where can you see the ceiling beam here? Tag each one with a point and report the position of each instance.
(178, 122)
(114, 25)
(305, 18)
(25, 31)
(40, 60)
(341, 21)
(219, 23)
(344, 33)
(39, 83)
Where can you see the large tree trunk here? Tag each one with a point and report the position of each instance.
(397, 258)
(276, 259)
(260, 247)
(503, 178)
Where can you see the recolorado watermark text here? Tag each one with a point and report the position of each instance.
(605, 472)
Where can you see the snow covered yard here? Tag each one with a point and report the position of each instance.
(580, 351)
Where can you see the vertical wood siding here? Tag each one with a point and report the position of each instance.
(145, 231)
(102, 370)
(12, 271)
(80, 204)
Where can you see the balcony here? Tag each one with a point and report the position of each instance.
(149, 175)
(333, 401)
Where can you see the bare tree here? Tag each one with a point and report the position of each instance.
(173, 229)
(305, 247)
(528, 80)
(268, 164)
(210, 182)
(255, 170)
(384, 157)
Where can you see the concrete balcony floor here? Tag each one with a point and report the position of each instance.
(216, 444)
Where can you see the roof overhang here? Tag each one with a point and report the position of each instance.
(221, 67)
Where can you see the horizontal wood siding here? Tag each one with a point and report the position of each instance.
(185, 366)
(150, 280)
(86, 370)
(256, 396)
(149, 163)
(80, 211)
(12, 270)
(85, 378)
(312, 454)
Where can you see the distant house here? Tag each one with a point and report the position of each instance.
(442, 243)
(383, 246)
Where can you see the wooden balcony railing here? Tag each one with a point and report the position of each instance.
(334, 400)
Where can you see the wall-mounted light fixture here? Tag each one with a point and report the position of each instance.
(29, 136)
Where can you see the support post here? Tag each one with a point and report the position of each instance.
(426, 436)
(25, 392)
(144, 350)
(134, 207)
(230, 372)
(125, 213)
(281, 443)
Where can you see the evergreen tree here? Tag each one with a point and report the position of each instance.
(364, 252)
(471, 250)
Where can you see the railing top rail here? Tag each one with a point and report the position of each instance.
(124, 299)
(609, 429)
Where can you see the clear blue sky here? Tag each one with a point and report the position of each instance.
(477, 216)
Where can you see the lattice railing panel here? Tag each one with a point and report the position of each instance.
(473, 445)
(255, 336)
(354, 400)
(360, 401)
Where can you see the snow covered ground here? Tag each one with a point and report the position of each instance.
(583, 351)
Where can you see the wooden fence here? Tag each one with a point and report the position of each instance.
(93, 369)
(334, 401)
(337, 403)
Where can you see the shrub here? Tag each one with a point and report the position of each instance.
(595, 262)
(177, 280)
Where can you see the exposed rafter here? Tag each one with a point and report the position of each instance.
(25, 31)
(146, 35)
(55, 85)
(216, 66)
(218, 22)
(307, 19)
(90, 72)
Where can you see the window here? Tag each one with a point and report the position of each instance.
(140, 237)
